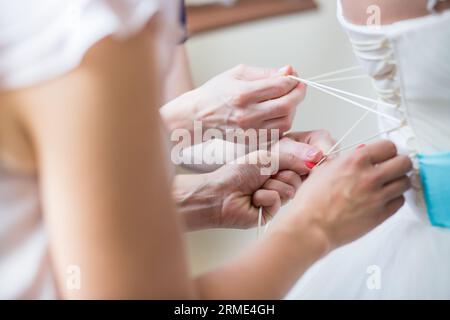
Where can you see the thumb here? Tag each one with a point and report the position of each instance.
(269, 200)
(257, 73)
(294, 156)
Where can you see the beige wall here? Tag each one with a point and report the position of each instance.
(313, 43)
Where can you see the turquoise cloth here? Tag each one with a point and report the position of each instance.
(435, 175)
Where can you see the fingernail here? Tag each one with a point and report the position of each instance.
(361, 146)
(312, 154)
(310, 164)
(284, 71)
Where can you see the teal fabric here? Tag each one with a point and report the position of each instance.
(435, 175)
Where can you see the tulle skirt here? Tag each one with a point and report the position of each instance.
(404, 258)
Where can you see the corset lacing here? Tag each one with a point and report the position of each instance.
(383, 70)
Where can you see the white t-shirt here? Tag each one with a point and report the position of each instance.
(40, 40)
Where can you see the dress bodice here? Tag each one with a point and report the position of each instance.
(409, 63)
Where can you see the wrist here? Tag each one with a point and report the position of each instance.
(300, 227)
(180, 112)
(199, 199)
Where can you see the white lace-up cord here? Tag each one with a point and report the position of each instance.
(365, 51)
(381, 50)
(342, 79)
(258, 228)
(320, 87)
(350, 94)
(333, 73)
(385, 94)
(349, 131)
(388, 72)
(367, 139)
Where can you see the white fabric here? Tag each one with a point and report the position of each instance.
(24, 264)
(40, 40)
(409, 62)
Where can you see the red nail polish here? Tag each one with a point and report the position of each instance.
(361, 146)
(310, 164)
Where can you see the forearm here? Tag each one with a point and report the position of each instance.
(179, 80)
(179, 109)
(117, 223)
(199, 200)
(268, 269)
(180, 113)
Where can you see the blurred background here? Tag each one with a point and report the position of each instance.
(310, 40)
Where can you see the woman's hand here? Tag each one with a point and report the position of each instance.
(340, 201)
(243, 97)
(230, 197)
(347, 197)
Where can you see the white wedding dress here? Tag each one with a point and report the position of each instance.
(406, 257)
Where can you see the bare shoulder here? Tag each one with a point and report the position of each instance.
(356, 11)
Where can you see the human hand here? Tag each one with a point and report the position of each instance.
(248, 189)
(230, 196)
(243, 97)
(309, 146)
(346, 197)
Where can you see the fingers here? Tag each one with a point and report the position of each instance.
(284, 106)
(269, 200)
(394, 168)
(282, 124)
(266, 97)
(268, 84)
(285, 191)
(391, 208)
(285, 183)
(273, 114)
(302, 151)
(249, 73)
(396, 188)
(289, 177)
(270, 163)
(321, 139)
(380, 151)
(269, 88)
(293, 155)
(394, 205)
